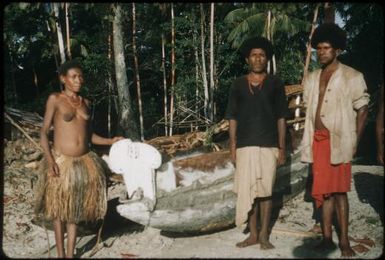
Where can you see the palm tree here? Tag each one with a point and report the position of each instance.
(267, 19)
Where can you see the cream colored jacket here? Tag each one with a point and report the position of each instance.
(345, 93)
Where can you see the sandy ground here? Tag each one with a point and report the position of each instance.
(124, 239)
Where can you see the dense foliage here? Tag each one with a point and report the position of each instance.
(31, 50)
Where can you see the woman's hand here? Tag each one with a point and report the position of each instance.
(116, 138)
(53, 170)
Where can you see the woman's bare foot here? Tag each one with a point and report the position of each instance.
(251, 240)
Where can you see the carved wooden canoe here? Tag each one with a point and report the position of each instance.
(206, 202)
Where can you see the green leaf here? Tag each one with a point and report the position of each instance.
(24, 6)
(83, 50)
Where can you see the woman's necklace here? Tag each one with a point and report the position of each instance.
(74, 102)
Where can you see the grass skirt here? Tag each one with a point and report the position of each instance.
(78, 194)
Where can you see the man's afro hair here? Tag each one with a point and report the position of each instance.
(256, 43)
(329, 32)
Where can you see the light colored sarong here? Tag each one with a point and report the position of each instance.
(254, 177)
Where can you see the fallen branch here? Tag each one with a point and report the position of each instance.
(366, 241)
(22, 130)
(293, 232)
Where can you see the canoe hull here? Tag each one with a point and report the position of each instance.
(209, 207)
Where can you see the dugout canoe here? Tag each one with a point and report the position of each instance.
(203, 200)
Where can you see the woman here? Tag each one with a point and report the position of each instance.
(75, 185)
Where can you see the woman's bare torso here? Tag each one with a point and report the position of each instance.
(71, 127)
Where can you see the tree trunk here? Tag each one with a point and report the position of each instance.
(329, 13)
(308, 49)
(137, 78)
(274, 64)
(54, 54)
(109, 83)
(126, 119)
(59, 33)
(196, 79)
(212, 63)
(204, 76)
(172, 68)
(164, 85)
(13, 76)
(114, 91)
(68, 31)
(268, 37)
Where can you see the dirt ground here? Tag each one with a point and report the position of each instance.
(124, 239)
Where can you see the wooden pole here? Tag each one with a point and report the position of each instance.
(137, 78)
(68, 31)
(308, 51)
(172, 69)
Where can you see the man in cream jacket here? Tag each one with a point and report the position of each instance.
(337, 105)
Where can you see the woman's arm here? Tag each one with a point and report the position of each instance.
(50, 108)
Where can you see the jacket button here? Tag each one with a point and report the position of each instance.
(326, 100)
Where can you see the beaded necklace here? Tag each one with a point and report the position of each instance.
(251, 86)
(75, 103)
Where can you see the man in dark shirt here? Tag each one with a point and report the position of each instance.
(256, 111)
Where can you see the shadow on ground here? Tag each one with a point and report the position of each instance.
(370, 190)
(306, 250)
(114, 226)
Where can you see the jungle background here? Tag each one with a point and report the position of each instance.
(154, 69)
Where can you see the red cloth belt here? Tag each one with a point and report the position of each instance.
(327, 178)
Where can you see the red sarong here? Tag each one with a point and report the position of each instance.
(327, 178)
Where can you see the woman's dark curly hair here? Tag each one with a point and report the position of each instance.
(66, 66)
(329, 32)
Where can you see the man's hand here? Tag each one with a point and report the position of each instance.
(380, 158)
(233, 154)
(354, 150)
(53, 170)
(281, 157)
(116, 138)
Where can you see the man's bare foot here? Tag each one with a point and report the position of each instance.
(325, 245)
(265, 245)
(346, 250)
(316, 229)
(251, 240)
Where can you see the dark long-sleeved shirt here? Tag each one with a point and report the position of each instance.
(257, 114)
